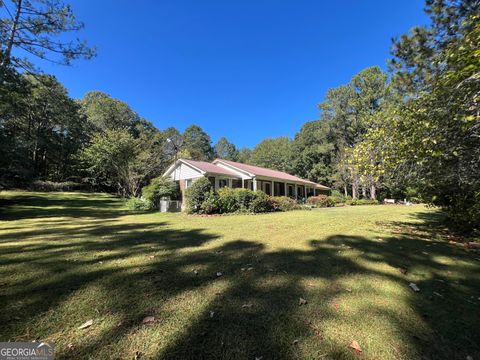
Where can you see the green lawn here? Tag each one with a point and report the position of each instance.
(66, 258)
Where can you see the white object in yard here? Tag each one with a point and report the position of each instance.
(389, 201)
(170, 206)
(414, 287)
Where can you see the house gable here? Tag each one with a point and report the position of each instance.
(182, 171)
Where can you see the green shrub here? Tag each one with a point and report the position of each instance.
(211, 204)
(196, 194)
(262, 203)
(284, 203)
(244, 198)
(159, 187)
(337, 197)
(139, 204)
(320, 201)
(228, 200)
(463, 213)
(354, 202)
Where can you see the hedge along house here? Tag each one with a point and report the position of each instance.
(225, 173)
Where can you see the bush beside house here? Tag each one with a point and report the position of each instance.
(158, 188)
(202, 199)
(139, 204)
(197, 193)
(321, 201)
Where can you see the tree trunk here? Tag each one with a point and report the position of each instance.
(373, 191)
(364, 192)
(345, 190)
(11, 37)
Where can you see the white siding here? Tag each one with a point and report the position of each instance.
(183, 172)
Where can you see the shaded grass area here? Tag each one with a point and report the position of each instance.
(66, 258)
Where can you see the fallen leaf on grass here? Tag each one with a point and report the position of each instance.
(295, 342)
(247, 305)
(148, 320)
(302, 301)
(438, 294)
(137, 355)
(70, 346)
(212, 313)
(348, 289)
(86, 325)
(195, 272)
(355, 346)
(414, 287)
(219, 274)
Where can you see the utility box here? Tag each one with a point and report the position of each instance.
(167, 205)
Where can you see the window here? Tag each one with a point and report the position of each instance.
(236, 184)
(222, 183)
(188, 183)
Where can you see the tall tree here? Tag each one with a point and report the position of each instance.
(46, 132)
(244, 155)
(197, 144)
(106, 113)
(38, 28)
(274, 153)
(350, 112)
(438, 132)
(224, 149)
(314, 151)
(419, 56)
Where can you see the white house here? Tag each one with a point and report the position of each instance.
(224, 173)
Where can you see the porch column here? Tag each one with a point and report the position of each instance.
(254, 184)
(273, 189)
(296, 192)
(305, 190)
(230, 183)
(243, 183)
(285, 187)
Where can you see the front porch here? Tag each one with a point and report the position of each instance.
(270, 187)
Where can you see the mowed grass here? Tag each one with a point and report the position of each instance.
(66, 258)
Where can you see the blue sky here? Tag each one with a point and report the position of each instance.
(245, 69)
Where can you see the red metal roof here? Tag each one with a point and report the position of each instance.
(260, 171)
(210, 168)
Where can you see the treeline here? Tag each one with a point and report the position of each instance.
(97, 140)
(412, 132)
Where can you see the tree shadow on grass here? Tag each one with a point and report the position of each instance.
(355, 291)
(24, 206)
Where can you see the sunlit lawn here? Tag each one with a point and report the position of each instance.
(66, 258)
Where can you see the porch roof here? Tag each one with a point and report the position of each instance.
(269, 173)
